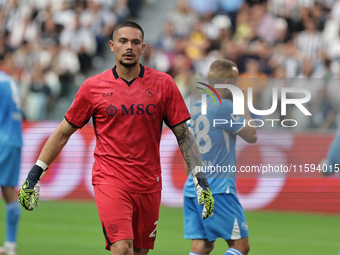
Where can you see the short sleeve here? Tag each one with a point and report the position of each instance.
(81, 109)
(176, 112)
(235, 123)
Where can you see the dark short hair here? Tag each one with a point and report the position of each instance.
(128, 24)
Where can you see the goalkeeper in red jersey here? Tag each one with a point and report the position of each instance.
(128, 105)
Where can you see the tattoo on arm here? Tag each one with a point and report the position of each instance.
(187, 145)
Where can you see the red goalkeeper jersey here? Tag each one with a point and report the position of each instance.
(128, 119)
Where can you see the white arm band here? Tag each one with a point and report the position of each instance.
(195, 171)
(42, 164)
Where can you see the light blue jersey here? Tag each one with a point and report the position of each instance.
(10, 112)
(215, 134)
(333, 159)
(10, 149)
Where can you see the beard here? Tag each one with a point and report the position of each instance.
(127, 64)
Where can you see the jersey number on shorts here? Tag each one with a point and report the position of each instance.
(153, 233)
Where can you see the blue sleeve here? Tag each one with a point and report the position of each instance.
(10, 112)
(228, 121)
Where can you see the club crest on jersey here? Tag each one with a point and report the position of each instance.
(149, 93)
(111, 110)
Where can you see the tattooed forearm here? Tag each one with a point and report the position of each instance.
(188, 146)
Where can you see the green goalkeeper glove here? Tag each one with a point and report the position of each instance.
(29, 191)
(204, 195)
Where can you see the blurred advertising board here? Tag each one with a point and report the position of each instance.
(282, 171)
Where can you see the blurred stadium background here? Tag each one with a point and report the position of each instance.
(51, 47)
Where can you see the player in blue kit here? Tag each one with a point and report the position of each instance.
(217, 149)
(333, 159)
(10, 154)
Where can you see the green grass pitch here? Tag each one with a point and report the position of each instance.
(67, 228)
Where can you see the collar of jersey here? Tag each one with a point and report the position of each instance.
(141, 74)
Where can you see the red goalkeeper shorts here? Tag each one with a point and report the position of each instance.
(126, 215)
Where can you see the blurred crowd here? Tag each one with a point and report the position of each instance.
(49, 46)
(274, 43)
